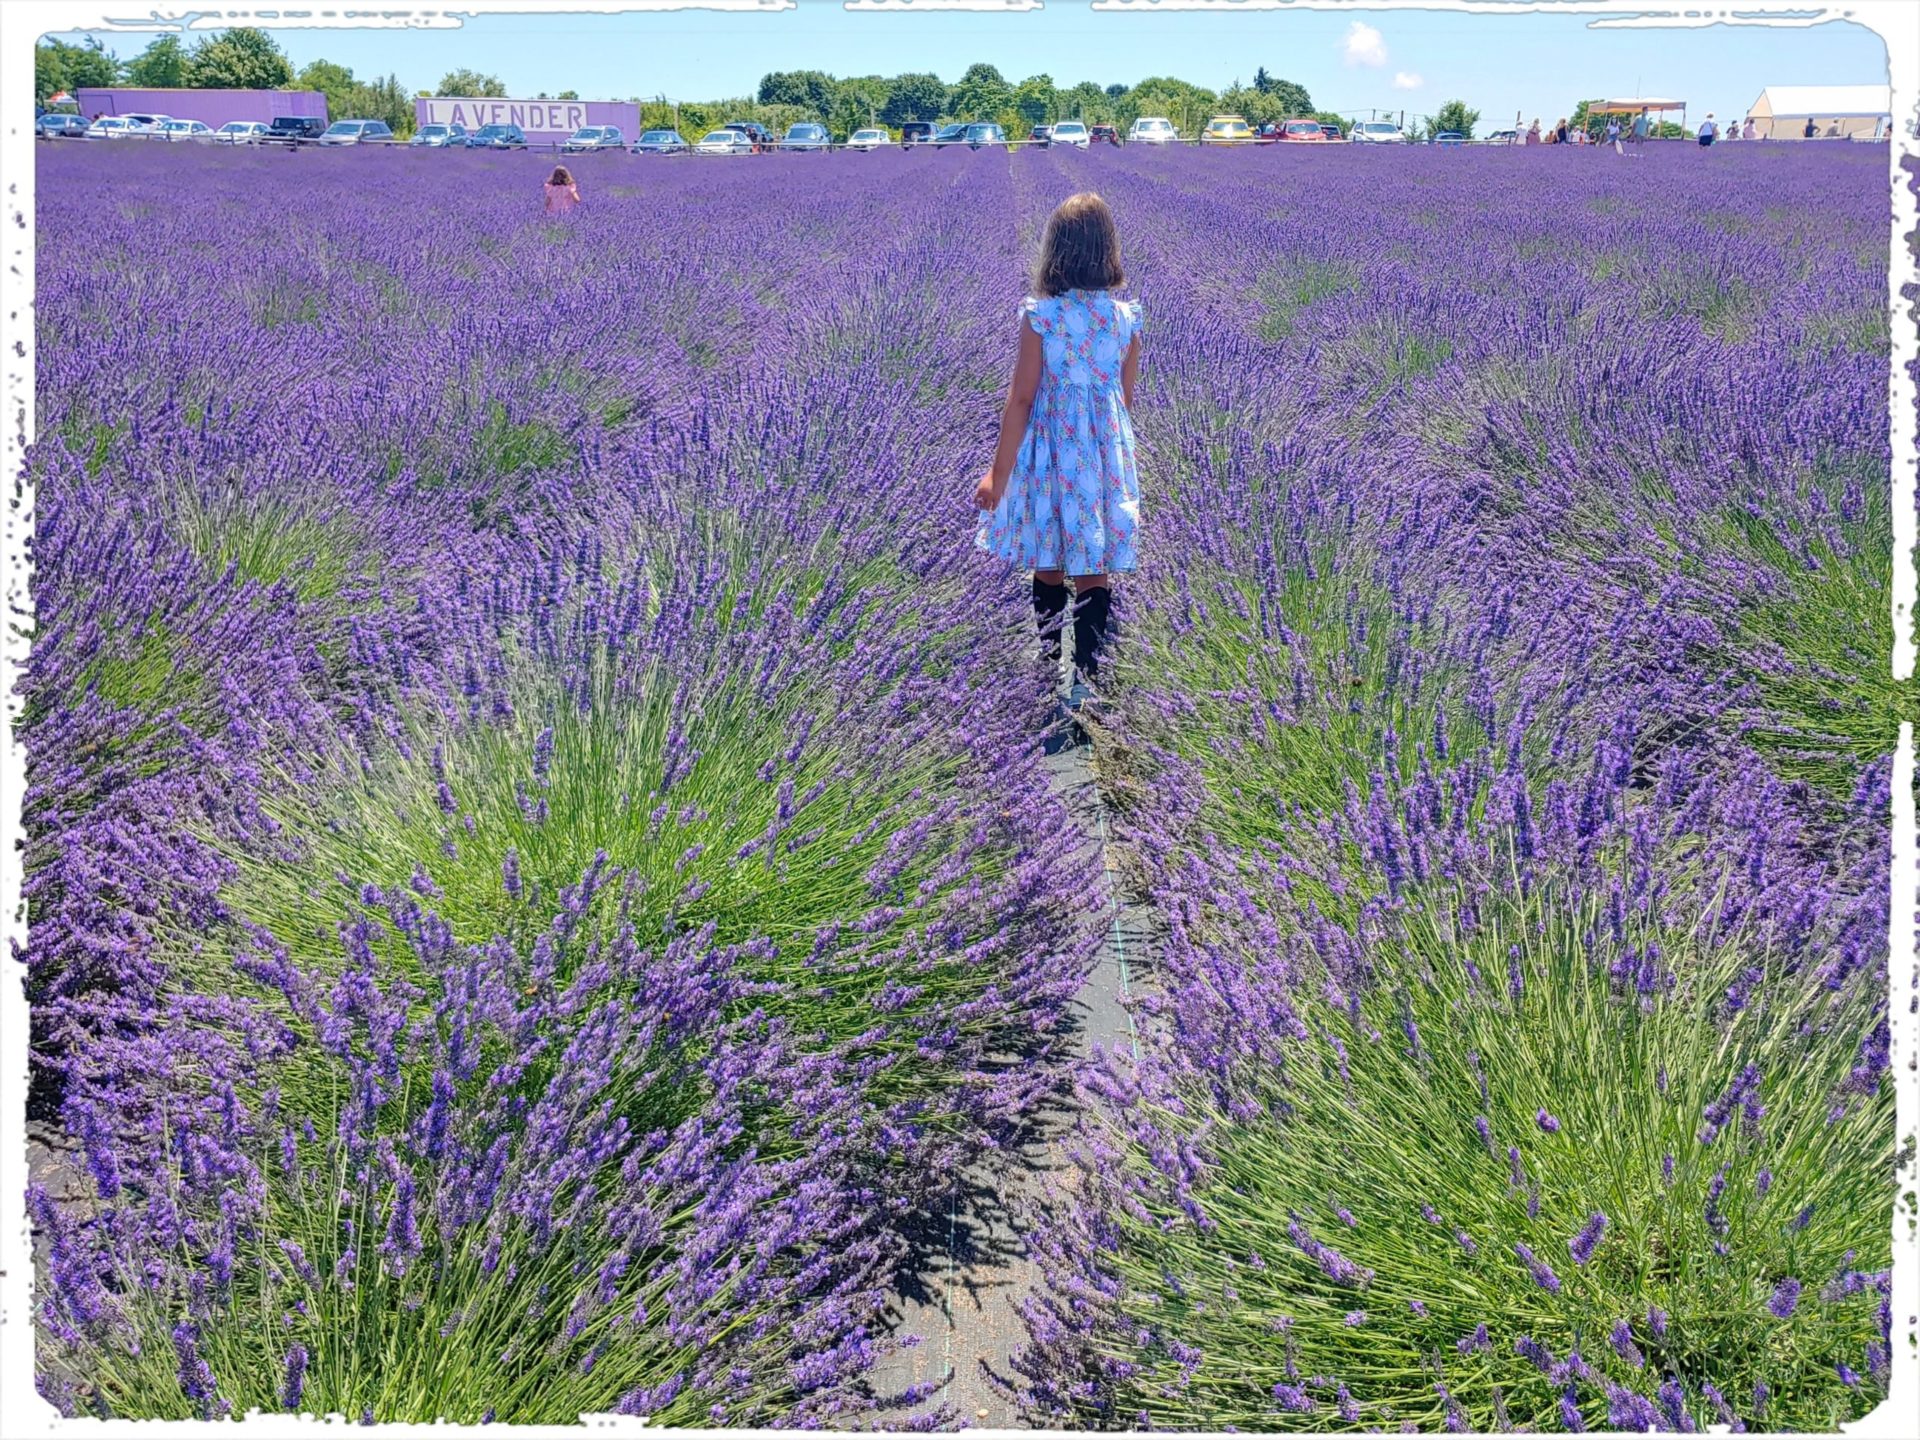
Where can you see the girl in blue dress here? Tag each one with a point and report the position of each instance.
(1063, 496)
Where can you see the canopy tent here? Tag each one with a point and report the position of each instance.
(1633, 107)
(1838, 112)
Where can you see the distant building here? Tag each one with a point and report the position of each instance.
(1838, 112)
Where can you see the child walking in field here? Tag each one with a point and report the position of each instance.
(1063, 496)
(562, 193)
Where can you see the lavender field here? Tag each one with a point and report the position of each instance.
(542, 871)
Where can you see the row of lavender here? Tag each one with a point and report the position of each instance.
(538, 861)
(1504, 743)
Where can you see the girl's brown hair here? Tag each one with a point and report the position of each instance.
(1081, 248)
(561, 176)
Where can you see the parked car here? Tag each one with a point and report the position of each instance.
(805, 135)
(1450, 138)
(594, 137)
(870, 138)
(1378, 132)
(1105, 135)
(915, 132)
(1332, 132)
(761, 137)
(143, 122)
(981, 134)
(294, 130)
(1152, 130)
(660, 142)
(1227, 130)
(192, 130)
(112, 127)
(1040, 135)
(1071, 132)
(241, 132)
(440, 137)
(949, 135)
(1503, 137)
(725, 142)
(1302, 132)
(356, 132)
(498, 137)
(60, 127)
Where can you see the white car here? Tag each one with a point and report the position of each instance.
(112, 127)
(240, 132)
(1377, 132)
(724, 142)
(182, 130)
(869, 139)
(143, 123)
(356, 132)
(1069, 132)
(1152, 130)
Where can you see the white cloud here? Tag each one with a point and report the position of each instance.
(1365, 45)
(1407, 80)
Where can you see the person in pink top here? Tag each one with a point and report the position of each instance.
(562, 193)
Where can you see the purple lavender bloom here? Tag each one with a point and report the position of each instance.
(196, 1378)
(1623, 1346)
(1657, 1321)
(1786, 1297)
(293, 1385)
(1543, 1275)
(1547, 1122)
(1581, 1246)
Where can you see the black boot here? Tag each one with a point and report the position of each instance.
(1049, 614)
(1090, 630)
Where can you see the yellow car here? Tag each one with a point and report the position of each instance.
(1227, 130)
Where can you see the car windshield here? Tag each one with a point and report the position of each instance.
(591, 132)
(344, 127)
(720, 137)
(1378, 127)
(1070, 128)
(655, 137)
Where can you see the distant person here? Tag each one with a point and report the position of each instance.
(1560, 133)
(1640, 127)
(1533, 133)
(562, 193)
(1707, 131)
(1811, 130)
(1066, 436)
(1750, 131)
(1613, 135)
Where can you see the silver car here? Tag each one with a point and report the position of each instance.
(60, 127)
(1070, 132)
(356, 132)
(440, 137)
(240, 132)
(724, 142)
(197, 130)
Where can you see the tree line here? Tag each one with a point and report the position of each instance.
(245, 58)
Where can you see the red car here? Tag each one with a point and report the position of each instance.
(1307, 132)
(1105, 135)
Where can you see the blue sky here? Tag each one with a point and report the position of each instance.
(1537, 65)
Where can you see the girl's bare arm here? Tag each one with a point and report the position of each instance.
(1130, 371)
(1013, 418)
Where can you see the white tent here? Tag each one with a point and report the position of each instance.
(1837, 111)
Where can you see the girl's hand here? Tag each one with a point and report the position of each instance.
(986, 494)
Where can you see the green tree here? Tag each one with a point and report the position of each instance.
(1262, 81)
(1114, 92)
(163, 65)
(981, 93)
(383, 99)
(809, 90)
(1086, 101)
(1293, 99)
(1583, 119)
(568, 95)
(333, 81)
(1454, 115)
(914, 97)
(471, 84)
(59, 66)
(239, 59)
(1033, 100)
(857, 101)
(1187, 106)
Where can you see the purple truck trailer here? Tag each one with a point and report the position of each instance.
(214, 107)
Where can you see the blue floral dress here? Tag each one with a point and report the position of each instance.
(1073, 500)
